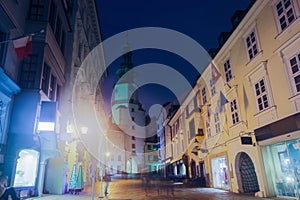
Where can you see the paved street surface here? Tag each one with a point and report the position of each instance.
(133, 189)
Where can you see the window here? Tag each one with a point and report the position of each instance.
(252, 45)
(58, 30)
(133, 137)
(149, 147)
(62, 42)
(217, 122)
(132, 118)
(36, 10)
(29, 72)
(52, 15)
(227, 69)
(192, 129)
(208, 128)
(46, 78)
(234, 112)
(132, 109)
(58, 95)
(285, 13)
(204, 100)
(52, 88)
(133, 146)
(119, 158)
(261, 95)
(3, 47)
(149, 157)
(212, 87)
(295, 72)
(133, 127)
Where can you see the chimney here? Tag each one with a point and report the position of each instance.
(223, 37)
(237, 18)
(213, 52)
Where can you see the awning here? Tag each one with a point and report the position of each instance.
(176, 159)
(280, 127)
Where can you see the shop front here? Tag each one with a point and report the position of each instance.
(280, 151)
(282, 166)
(219, 169)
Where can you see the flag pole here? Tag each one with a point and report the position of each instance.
(31, 34)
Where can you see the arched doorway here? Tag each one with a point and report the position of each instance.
(193, 169)
(246, 175)
(131, 166)
(27, 168)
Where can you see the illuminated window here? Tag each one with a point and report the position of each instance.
(252, 45)
(285, 13)
(261, 95)
(234, 112)
(227, 69)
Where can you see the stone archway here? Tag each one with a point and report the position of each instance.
(246, 175)
(193, 169)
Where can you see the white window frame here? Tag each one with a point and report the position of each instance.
(293, 6)
(228, 70)
(292, 75)
(217, 123)
(212, 87)
(235, 117)
(252, 44)
(208, 130)
(254, 76)
(204, 96)
(262, 96)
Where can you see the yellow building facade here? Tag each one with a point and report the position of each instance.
(250, 114)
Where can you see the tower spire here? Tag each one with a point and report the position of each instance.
(126, 64)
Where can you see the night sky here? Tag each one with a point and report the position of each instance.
(201, 20)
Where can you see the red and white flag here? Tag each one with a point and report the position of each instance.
(23, 46)
(214, 73)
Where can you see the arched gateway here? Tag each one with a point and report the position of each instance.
(246, 175)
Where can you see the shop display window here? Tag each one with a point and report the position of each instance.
(26, 170)
(220, 172)
(282, 165)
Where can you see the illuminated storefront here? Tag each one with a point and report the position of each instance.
(282, 166)
(26, 170)
(220, 173)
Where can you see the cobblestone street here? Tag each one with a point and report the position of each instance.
(133, 189)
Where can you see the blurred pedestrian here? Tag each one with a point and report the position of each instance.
(6, 192)
(107, 179)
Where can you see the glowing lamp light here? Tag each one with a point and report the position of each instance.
(84, 130)
(47, 116)
(289, 179)
(46, 126)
